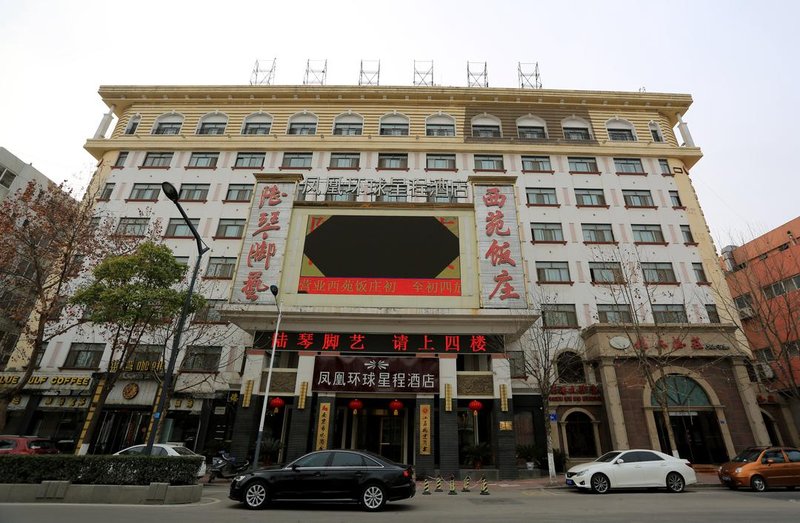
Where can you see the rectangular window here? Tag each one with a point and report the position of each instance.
(392, 161)
(84, 355)
(536, 163)
(257, 128)
(547, 232)
(345, 160)
(621, 135)
(168, 128)
(230, 228)
(157, 160)
(442, 162)
(638, 198)
(210, 313)
(583, 165)
(194, 192)
(133, 124)
(239, 192)
(203, 160)
(121, 158)
(440, 130)
(606, 272)
(590, 198)
(764, 355)
(576, 133)
(348, 129)
(202, 358)
(597, 232)
(699, 273)
(745, 301)
(669, 314)
(212, 128)
(132, 226)
(297, 160)
(614, 313)
(486, 131)
(303, 128)
(541, 196)
(686, 231)
(782, 287)
(251, 160)
(488, 162)
(656, 135)
(394, 129)
(183, 260)
(659, 273)
(145, 191)
(531, 133)
(177, 228)
(663, 166)
(713, 314)
(6, 177)
(220, 267)
(675, 199)
(647, 233)
(516, 360)
(105, 194)
(628, 165)
(552, 272)
(559, 316)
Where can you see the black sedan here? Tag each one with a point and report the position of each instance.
(328, 476)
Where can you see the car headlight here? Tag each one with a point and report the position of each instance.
(737, 470)
(581, 473)
(237, 479)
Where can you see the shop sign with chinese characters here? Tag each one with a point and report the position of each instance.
(323, 426)
(390, 375)
(362, 343)
(264, 245)
(499, 250)
(425, 430)
(574, 393)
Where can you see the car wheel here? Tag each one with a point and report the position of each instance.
(675, 482)
(255, 495)
(373, 497)
(758, 484)
(600, 483)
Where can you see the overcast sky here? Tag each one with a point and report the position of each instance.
(737, 59)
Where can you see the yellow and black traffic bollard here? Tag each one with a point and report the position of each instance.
(452, 485)
(439, 483)
(426, 489)
(484, 486)
(465, 488)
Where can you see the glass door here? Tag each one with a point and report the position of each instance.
(391, 438)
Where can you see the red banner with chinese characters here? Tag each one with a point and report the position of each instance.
(365, 343)
(380, 286)
(390, 375)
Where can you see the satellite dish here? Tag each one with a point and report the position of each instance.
(620, 342)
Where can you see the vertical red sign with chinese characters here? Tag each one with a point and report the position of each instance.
(264, 245)
(499, 249)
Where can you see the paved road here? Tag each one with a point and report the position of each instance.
(503, 505)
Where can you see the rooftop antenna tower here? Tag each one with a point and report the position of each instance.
(316, 71)
(263, 72)
(477, 75)
(423, 73)
(370, 73)
(529, 75)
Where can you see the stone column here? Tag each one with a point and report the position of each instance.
(448, 421)
(299, 431)
(505, 443)
(613, 405)
(751, 409)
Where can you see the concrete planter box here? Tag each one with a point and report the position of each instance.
(66, 492)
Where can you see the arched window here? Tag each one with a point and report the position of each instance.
(655, 132)
(681, 391)
(576, 128)
(580, 435)
(257, 123)
(214, 123)
(486, 126)
(531, 127)
(303, 123)
(569, 367)
(394, 124)
(620, 130)
(440, 125)
(168, 124)
(133, 124)
(348, 124)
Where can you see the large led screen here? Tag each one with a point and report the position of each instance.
(381, 255)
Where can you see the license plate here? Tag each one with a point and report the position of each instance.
(726, 478)
(570, 482)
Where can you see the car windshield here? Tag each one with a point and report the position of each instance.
(183, 451)
(747, 455)
(608, 456)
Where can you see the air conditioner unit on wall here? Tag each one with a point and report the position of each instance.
(746, 312)
(765, 371)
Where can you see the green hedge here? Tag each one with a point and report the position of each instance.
(100, 470)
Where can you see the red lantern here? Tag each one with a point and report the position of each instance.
(355, 405)
(395, 406)
(475, 406)
(276, 404)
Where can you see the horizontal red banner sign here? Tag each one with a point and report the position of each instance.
(360, 343)
(390, 375)
(380, 286)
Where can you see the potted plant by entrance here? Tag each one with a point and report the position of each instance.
(478, 454)
(528, 454)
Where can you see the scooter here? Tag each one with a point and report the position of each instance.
(226, 466)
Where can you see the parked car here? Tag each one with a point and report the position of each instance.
(330, 476)
(638, 468)
(26, 445)
(761, 468)
(164, 449)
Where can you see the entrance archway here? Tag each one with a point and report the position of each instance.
(580, 432)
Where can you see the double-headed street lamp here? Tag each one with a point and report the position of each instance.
(274, 290)
(172, 194)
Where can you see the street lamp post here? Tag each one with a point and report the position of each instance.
(172, 194)
(274, 290)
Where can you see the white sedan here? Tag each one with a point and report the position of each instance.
(164, 449)
(632, 469)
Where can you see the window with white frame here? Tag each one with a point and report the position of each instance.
(781, 287)
(669, 313)
(392, 161)
(210, 313)
(552, 272)
(628, 165)
(655, 132)
(620, 130)
(489, 162)
(345, 160)
(220, 267)
(686, 232)
(302, 124)
(105, 194)
(168, 124)
(257, 124)
(203, 160)
(440, 162)
(647, 233)
(440, 125)
(597, 232)
(213, 124)
(547, 232)
(348, 125)
(637, 198)
(663, 165)
(239, 192)
(132, 226)
(250, 160)
(145, 191)
(536, 164)
(675, 199)
(699, 272)
(230, 228)
(178, 228)
(84, 355)
(531, 128)
(394, 125)
(590, 198)
(658, 272)
(297, 160)
(486, 126)
(712, 313)
(576, 128)
(202, 358)
(541, 196)
(121, 158)
(606, 272)
(133, 124)
(157, 160)
(194, 192)
(582, 165)
(614, 313)
(516, 362)
(559, 316)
